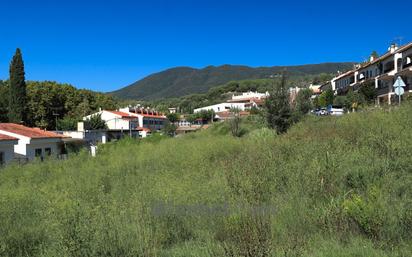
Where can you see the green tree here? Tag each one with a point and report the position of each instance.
(303, 101)
(278, 109)
(315, 102)
(235, 122)
(4, 101)
(354, 100)
(95, 122)
(375, 55)
(17, 90)
(170, 129)
(341, 101)
(322, 100)
(329, 95)
(67, 124)
(191, 118)
(368, 91)
(172, 117)
(206, 115)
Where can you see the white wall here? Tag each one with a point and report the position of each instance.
(114, 121)
(26, 146)
(53, 144)
(222, 107)
(249, 94)
(89, 136)
(7, 148)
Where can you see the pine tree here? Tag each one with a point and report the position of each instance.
(278, 109)
(17, 90)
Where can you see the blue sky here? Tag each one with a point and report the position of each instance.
(104, 45)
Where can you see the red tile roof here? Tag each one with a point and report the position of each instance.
(123, 114)
(229, 114)
(28, 132)
(7, 138)
(144, 129)
(149, 113)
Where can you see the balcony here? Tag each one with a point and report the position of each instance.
(406, 65)
(383, 90)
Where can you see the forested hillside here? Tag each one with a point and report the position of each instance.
(329, 187)
(182, 81)
(48, 101)
(218, 94)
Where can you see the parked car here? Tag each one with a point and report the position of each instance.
(320, 112)
(336, 111)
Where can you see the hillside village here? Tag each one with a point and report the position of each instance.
(21, 144)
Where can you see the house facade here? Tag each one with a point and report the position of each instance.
(117, 120)
(7, 148)
(147, 119)
(33, 142)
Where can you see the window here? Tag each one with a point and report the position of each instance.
(2, 158)
(38, 152)
(48, 151)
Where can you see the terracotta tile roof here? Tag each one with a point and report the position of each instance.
(123, 114)
(28, 132)
(345, 74)
(144, 129)
(247, 99)
(7, 138)
(153, 116)
(227, 114)
(149, 113)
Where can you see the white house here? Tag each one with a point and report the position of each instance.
(117, 120)
(7, 148)
(33, 142)
(223, 107)
(135, 122)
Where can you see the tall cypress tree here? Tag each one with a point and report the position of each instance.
(17, 90)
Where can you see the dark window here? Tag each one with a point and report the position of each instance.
(2, 158)
(38, 152)
(48, 151)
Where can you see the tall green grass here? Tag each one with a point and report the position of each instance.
(330, 187)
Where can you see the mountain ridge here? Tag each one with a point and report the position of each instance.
(185, 80)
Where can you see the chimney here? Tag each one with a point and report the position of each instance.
(371, 59)
(393, 48)
(80, 126)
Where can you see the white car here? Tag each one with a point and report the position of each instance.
(336, 111)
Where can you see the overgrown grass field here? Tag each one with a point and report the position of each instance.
(329, 187)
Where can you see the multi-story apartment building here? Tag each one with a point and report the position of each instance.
(382, 72)
(342, 82)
